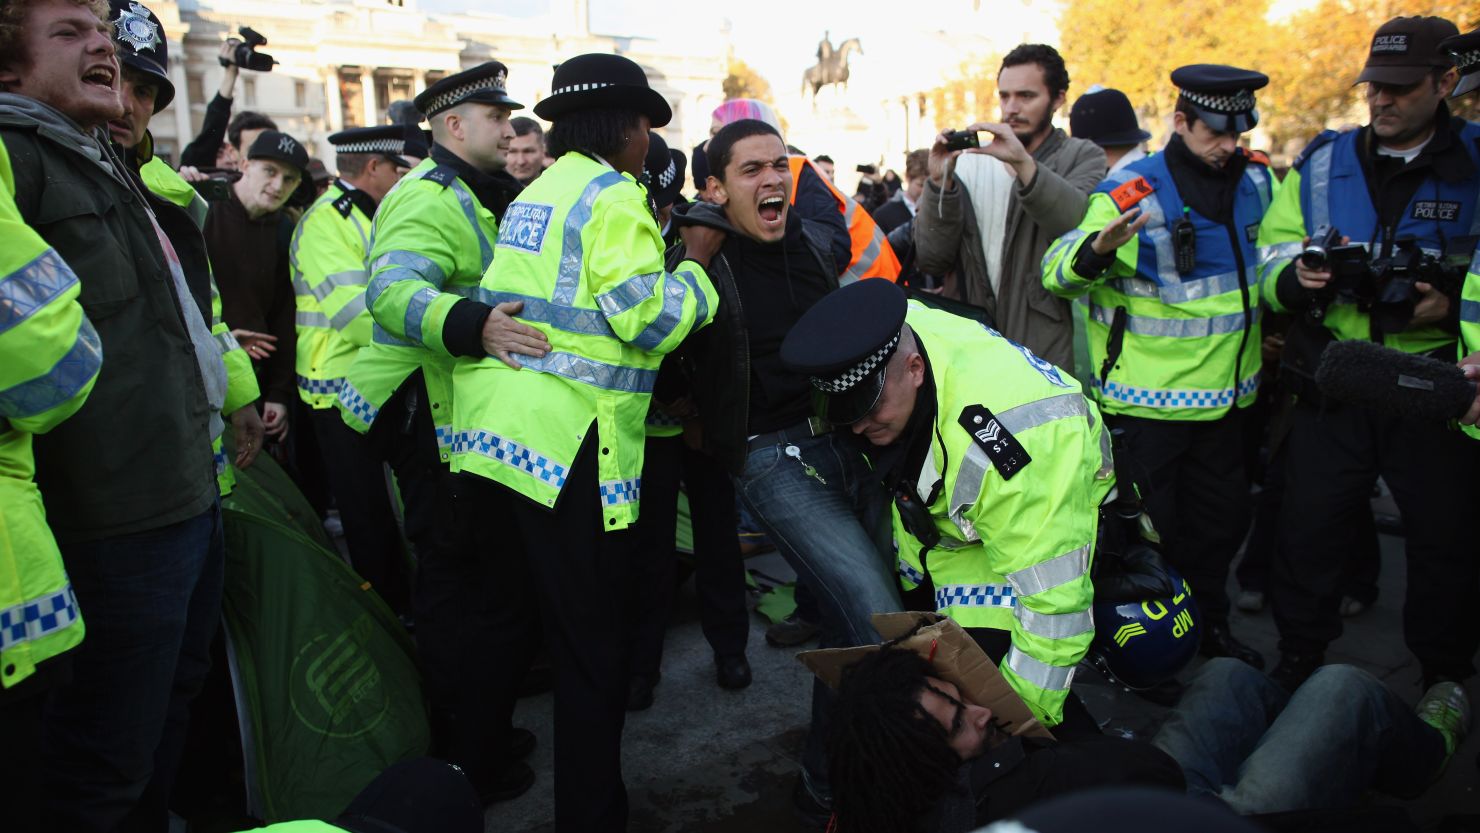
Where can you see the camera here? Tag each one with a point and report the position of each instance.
(217, 186)
(246, 55)
(963, 139)
(1317, 251)
(1385, 287)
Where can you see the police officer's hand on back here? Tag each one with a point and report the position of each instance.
(505, 336)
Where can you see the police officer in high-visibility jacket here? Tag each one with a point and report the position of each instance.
(1412, 173)
(563, 433)
(327, 259)
(432, 239)
(997, 463)
(43, 380)
(1166, 254)
(1465, 50)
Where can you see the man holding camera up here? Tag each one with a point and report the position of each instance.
(207, 150)
(1411, 174)
(1166, 254)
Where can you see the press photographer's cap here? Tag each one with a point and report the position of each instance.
(483, 84)
(1405, 49)
(1222, 96)
(388, 140)
(1465, 50)
(844, 343)
(141, 45)
(280, 147)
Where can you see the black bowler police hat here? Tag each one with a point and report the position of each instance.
(1465, 49)
(598, 79)
(1222, 96)
(843, 344)
(664, 168)
(141, 46)
(1106, 118)
(483, 84)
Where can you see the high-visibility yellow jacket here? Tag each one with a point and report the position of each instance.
(241, 380)
(1015, 548)
(49, 360)
(327, 257)
(583, 252)
(430, 243)
(1469, 319)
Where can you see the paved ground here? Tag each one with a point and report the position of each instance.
(705, 760)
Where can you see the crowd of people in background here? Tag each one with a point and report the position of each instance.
(1038, 368)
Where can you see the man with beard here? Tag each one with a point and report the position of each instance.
(1413, 172)
(1166, 255)
(127, 481)
(989, 214)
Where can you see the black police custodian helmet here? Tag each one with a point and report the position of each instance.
(1222, 96)
(598, 79)
(141, 45)
(844, 343)
(1106, 118)
(664, 168)
(483, 84)
(1465, 49)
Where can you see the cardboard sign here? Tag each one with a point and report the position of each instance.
(954, 654)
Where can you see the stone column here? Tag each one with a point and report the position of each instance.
(418, 81)
(367, 95)
(184, 133)
(335, 105)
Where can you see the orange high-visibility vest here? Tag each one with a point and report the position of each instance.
(873, 257)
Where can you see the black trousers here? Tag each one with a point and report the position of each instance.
(1336, 453)
(578, 571)
(357, 481)
(468, 553)
(1197, 495)
(719, 570)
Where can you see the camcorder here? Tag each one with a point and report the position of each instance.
(965, 139)
(1385, 287)
(246, 55)
(217, 186)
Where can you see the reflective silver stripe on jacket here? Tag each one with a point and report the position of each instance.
(1320, 186)
(1161, 240)
(1041, 674)
(416, 310)
(304, 318)
(470, 210)
(226, 341)
(1288, 250)
(32, 287)
(1181, 293)
(1260, 180)
(572, 255)
(1053, 625)
(675, 292)
(324, 288)
(404, 266)
(348, 313)
(1232, 322)
(591, 372)
(69, 375)
(1046, 575)
(1065, 269)
(628, 294)
(1469, 311)
(578, 320)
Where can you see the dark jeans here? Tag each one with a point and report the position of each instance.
(1335, 454)
(833, 529)
(357, 480)
(112, 739)
(719, 571)
(578, 571)
(1196, 494)
(1241, 738)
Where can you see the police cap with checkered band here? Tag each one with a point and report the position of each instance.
(483, 84)
(388, 141)
(1222, 96)
(664, 168)
(1465, 49)
(843, 343)
(602, 80)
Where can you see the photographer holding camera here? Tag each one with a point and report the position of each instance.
(206, 151)
(1404, 187)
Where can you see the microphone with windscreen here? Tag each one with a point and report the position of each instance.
(1368, 375)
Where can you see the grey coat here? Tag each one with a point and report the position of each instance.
(947, 239)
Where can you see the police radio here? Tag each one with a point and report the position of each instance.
(1184, 244)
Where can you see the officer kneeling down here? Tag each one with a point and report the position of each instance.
(997, 464)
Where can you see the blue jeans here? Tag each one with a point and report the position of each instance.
(1241, 738)
(833, 529)
(112, 739)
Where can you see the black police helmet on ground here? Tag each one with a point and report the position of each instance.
(844, 343)
(599, 79)
(141, 46)
(483, 84)
(1222, 96)
(1106, 118)
(1465, 50)
(664, 167)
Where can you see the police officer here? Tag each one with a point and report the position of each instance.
(561, 433)
(1465, 49)
(1166, 255)
(431, 241)
(1412, 172)
(327, 258)
(997, 464)
(39, 388)
(144, 60)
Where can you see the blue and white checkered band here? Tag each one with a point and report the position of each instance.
(580, 88)
(135, 27)
(1240, 101)
(455, 95)
(667, 176)
(396, 146)
(858, 372)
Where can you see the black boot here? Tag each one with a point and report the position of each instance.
(1218, 641)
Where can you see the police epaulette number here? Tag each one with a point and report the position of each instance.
(344, 205)
(1007, 454)
(443, 175)
(1129, 193)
